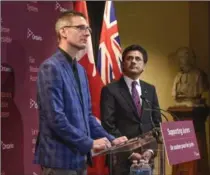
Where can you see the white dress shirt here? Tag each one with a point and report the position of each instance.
(129, 81)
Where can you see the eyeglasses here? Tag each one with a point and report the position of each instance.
(81, 28)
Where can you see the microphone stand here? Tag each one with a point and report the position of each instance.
(155, 108)
(157, 134)
(156, 130)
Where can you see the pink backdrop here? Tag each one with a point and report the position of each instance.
(28, 38)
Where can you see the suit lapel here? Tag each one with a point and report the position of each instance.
(143, 89)
(144, 93)
(81, 80)
(127, 96)
(69, 70)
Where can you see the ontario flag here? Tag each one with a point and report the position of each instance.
(86, 59)
(109, 55)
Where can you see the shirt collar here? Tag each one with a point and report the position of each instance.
(129, 81)
(68, 57)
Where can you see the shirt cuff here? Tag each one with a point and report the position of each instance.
(150, 150)
(130, 155)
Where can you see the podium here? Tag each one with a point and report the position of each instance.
(198, 115)
(128, 147)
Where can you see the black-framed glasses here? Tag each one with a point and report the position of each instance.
(81, 28)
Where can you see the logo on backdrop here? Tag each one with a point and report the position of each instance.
(33, 69)
(30, 34)
(5, 114)
(59, 7)
(7, 146)
(31, 7)
(5, 31)
(5, 96)
(34, 134)
(31, 59)
(5, 69)
(33, 104)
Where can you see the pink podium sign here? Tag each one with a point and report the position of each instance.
(180, 142)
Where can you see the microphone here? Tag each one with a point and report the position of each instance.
(151, 108)
(156, 108)
(156, 130)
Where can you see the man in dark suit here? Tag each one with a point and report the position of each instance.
(122, 108)
(67, 129)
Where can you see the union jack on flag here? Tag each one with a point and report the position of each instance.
(109, 56)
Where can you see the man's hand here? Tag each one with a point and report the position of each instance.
(147, 155)
(135, 156)
(101, 144)
(119, 140)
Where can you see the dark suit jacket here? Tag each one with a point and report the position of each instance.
(118, 112)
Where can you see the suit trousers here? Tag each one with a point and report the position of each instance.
(119, 164)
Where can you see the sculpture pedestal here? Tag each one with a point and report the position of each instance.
(198, 115)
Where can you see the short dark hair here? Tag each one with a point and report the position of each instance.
(134, 47)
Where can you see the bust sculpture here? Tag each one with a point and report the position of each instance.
(190, 82)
